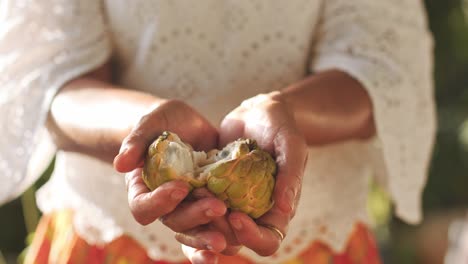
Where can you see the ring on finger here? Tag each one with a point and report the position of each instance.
(275, 230)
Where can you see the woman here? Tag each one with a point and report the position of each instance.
(347, 84)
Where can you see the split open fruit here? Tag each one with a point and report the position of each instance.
(241, 174)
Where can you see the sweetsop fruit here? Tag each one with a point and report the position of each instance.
(241, 174)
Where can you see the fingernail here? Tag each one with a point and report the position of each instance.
(236, 223)
(121, 153)
(123, 149)
(177, 195)
(210, 212)
(288, 201)
(209, 247)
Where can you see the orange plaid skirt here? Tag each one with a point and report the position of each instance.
(56, 242)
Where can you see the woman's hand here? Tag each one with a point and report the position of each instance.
(323, 108)
(267, 119)
(225, 241)
(167, 201)
(93, 117)
(166, 115)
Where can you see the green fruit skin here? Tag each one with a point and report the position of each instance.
(245, 183)
(154, 175)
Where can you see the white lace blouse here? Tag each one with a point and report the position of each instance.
(213, 54)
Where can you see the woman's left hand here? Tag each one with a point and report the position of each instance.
(267, 119)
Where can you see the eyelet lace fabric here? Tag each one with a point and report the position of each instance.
(215, 54)
(43, 44)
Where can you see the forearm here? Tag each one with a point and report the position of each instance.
(329, 107)
(91, 116)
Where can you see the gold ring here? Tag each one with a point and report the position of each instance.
(275, 230)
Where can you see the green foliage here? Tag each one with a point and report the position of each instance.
(448, 178)
(2, 258)
(22, 217)
(449, 170)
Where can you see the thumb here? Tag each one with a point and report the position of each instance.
(231, 129)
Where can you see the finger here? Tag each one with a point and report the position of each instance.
(133, 149)
(231, 250)
(291, 158)
(221, 224)
(147, 206)
(202, 238)
(291, 153)
(197, 256)
(260, 239)
(200, 193)
(198, 213)
(231, 128)
(130, 158)
(207, 139)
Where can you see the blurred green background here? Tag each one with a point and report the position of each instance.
(446, 194)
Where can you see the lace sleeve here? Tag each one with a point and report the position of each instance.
(386, 46)
(43, 44)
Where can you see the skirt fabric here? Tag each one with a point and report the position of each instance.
(56, 242)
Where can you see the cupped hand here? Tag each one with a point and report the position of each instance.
(218, 231)
(171, 115)
(168, 202)
(267, 119)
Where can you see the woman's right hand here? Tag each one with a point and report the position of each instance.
(166, 115)
(168, 202)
